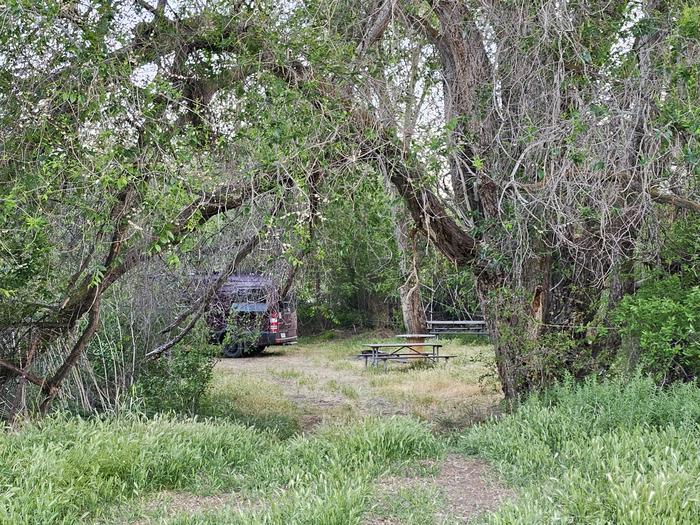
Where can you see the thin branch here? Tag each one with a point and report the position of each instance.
(16, 371)
(154, 10)
(376, 29)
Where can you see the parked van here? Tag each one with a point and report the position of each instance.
(247, 315)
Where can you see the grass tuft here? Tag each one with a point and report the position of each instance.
(251, 401)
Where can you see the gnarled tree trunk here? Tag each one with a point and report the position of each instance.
(411, 305)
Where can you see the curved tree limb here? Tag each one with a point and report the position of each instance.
(666, 197)
(53, 385)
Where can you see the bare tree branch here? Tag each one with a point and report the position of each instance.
(674, 200)
(203, 303)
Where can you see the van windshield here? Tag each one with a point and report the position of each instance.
(251, 300)
(249, 307)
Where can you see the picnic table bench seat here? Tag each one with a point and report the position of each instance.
(404, 358)
(393, 352)
(470, 327)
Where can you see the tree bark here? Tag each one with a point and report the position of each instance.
(412, 309)
(516, 315)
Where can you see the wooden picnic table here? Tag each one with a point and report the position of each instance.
(393, 352)
(416, 338)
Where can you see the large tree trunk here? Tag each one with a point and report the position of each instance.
(466, 72)
(514, 306)
(516, 316)
(406, 238)
(412, 308)
(544, 324)
(411, 304)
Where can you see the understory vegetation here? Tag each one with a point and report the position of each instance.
(612, 451)
(599, 452)
(70, 470)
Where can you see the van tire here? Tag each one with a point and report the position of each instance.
(234, 350)
(258, 350)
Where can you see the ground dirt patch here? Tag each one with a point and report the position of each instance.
(469, 487)
(459, 490)
(168, 504)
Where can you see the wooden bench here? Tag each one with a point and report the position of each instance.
(401, 358)
(393, 352)
(458, 327)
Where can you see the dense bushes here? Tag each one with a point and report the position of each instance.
(350, 277)
(661, 321)
(663, 318)
(599, 453)
(176, 382)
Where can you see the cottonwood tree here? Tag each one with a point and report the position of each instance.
(564, 163)
(103, 169)
(560, 151)
(566, 135)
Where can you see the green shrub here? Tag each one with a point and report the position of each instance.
(176, 382)
(689, 22)
(610, 452)
(664, 316)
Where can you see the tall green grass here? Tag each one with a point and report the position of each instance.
(325, 479)
(613, 452)
(69, 470)
(250, 401)
(64, 469)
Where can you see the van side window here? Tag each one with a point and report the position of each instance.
(287, 305)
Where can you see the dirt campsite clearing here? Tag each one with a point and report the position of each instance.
(319, 381)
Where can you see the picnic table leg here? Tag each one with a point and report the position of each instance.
(386, 362)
